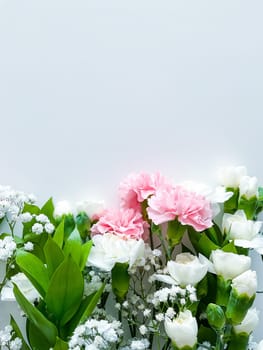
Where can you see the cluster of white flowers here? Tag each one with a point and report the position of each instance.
(42, 223)
(12, 203)
(7, 248)
(96, 335)
(8, 341)
(174, 294)
(94, 280)
(137, 344)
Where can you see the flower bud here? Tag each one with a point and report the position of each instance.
(242, 296)
(215, 316)
(248, 187)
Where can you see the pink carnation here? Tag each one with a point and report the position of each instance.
(188, 207)
(138, 187)
(125, 223)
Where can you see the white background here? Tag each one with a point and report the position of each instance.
(92, 90)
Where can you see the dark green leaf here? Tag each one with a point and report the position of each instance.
(65, 291)
(46, 328)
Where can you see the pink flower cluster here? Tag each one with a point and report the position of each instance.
(125, 223)
(188, 207)
(165, 202)
(138, 187)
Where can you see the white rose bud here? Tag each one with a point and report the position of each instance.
(248, 187)
(229, 265)
(246, 283)
(242, 296)
(91, 208)
(237, 226)
(62, 208)
(186, 269)
(109, 249)
(182, 330)
(230, 176)
(249, 323)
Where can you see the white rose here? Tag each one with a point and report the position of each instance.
(230, 176)
(248, 187)
(260, 346)
(109, 249)
(25, 286)
(246, 283)
(62, 208)
(182, 330)
(186, 269)
(249, 323)
(237, 227)
(228, 265)
(91, 208)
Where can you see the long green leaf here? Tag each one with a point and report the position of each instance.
(34, 269)
(65, 291)
(36, 339)
(60, 345)
(46, 328)
(85, 310)
(48, 209)
(85, 250)
(59, 234)
(54, 256)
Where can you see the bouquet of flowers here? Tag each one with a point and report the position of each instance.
(168, 269)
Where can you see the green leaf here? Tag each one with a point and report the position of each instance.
(48, 209)
(86, 308)
(60, 345)
(31, 208)
(35, 337)
(83, 225)
(175, 232)
(120, 280)
(206, 245)
(46, 328)
(69, 225)
(215, 235)
(85, 250)
(18, 333)
(73, 247)
(59, 234)
(34, 269)
(65, 291)
(230, 248)
(54, 256)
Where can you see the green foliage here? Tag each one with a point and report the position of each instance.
(58, 277)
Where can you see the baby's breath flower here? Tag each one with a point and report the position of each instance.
(29, 246)
(37, 228)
